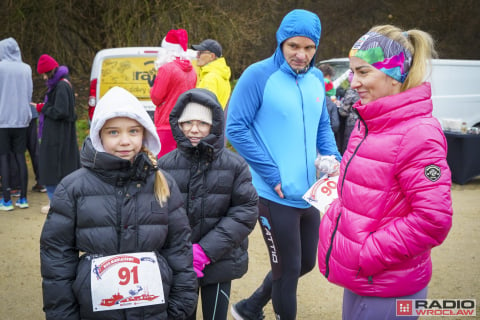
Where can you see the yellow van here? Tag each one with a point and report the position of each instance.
(131, 68)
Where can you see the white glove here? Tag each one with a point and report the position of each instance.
(327, 164)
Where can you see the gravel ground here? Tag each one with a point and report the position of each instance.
(456, 271)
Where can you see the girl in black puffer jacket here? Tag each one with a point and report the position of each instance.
(220, 200)
(113, 221)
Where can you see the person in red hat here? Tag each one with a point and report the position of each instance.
(59, 153)
(174, 77)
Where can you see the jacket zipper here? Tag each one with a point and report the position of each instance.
(329, 252)
(330, 247)
(120, 192)
(199, 168)
(356, 149)
(304, 130)
(202, 199)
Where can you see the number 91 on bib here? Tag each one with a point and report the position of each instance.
(126, 281)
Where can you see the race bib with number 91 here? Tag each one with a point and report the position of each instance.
(126, 281)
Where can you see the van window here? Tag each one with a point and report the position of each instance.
(134, 74)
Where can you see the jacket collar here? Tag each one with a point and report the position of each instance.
(391, 110)
(114, 170)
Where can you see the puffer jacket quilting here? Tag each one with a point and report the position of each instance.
(376, 238)
(107, 208)
(218, 192)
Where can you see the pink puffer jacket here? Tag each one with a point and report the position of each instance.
(394, 201)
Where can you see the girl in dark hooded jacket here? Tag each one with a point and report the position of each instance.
(220, 200)
(116, 242)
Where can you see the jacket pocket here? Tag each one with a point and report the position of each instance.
(82, 284)
(223, 183)
(159, 214)
(166, 273)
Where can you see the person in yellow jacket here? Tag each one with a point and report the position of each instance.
(214, 73)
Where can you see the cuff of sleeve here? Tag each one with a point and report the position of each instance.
(40, 106)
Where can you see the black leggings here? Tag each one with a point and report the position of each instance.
(20, 161)
(291, 236)
(33, 150)
(33, 146)
(215, 300)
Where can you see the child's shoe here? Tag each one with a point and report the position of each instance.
(22, 203)
(6, 206)
(15, 193)
(239, 312)
(39, 188)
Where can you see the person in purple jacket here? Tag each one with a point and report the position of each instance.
(394, 201)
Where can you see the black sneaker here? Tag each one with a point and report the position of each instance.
(239, 312)
(39, 188)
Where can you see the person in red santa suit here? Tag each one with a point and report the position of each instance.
(175, 75)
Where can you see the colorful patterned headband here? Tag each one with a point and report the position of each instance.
(383, 53)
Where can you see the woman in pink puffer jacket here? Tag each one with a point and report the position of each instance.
(394, 201)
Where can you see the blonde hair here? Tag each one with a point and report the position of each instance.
(420, 44)
(160, 188)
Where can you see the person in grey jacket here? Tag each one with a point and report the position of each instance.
(345, 110)
(119, 211)
(334, 117)
(220, 199)
(15, 95)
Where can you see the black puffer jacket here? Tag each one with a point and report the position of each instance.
(108, 208)
(220, 199)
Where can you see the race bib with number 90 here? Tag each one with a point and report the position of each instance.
(322, 193)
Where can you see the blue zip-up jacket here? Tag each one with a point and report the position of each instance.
(278, 119)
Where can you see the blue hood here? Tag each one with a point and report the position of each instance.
(298, 23)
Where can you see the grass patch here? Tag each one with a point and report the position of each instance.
(83, 129)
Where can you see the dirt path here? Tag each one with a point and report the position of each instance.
(456, 262)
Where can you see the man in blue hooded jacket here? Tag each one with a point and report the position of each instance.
(278, 121)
